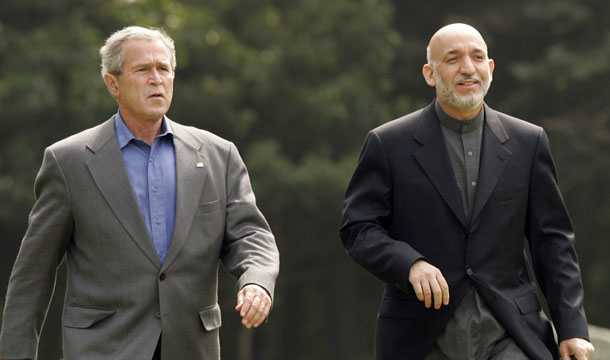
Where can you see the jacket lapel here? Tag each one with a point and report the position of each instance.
(494, 157)
(191, 171)
(110, 175)
(433, 159)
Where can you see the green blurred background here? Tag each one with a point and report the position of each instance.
(296, 85)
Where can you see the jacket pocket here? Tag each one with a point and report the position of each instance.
(208, 207)
(528, 303)
(82, 317)
(210, 317)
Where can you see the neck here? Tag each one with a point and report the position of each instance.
(144, 130)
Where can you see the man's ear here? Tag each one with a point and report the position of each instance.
(492, 66)
(428, 72)
(112, 84)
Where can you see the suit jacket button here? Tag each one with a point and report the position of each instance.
(158, 314)
(162, 276)
(469, 271)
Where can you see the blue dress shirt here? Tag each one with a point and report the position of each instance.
(152, 171)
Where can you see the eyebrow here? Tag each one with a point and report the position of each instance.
(456, 51)
(150, 64)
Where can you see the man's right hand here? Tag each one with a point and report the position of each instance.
(429, 284)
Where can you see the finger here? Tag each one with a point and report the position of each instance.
(563, 353)
(258, 311)
(247, 303)
(249, 316)
(444, 288)
(264, 314)
(437, 294)
(427, 295)
(590, 351)
(419, 292)
(579, 356)
(240, 300)
(256, 315)
(583, 353)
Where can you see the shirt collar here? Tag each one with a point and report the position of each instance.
(459, 126)
(124, 135)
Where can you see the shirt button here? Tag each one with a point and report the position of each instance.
(469, 272)
(474, 183)
(162, 276)
(470, 153)
(158, 314)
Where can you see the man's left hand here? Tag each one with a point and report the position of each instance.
(581, 349)
(253, 304)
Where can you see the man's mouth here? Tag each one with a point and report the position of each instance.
(156, 96)
(469, 82)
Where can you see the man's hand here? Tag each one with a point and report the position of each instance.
(253, 304)
(429, 283)
(581, 349)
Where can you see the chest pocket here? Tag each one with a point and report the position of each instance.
(208, 207)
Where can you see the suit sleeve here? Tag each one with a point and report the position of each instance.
(551, 239)
(32, 280)
(367, 219)
(249, 250)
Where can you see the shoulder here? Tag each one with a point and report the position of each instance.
(200, 139)
(516, 134)
(406, 123)
(513, 124)
(406, 127)
(92, 138)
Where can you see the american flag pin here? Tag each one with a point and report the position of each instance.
(199, 165)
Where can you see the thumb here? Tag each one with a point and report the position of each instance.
(564, 354)
(240, 300)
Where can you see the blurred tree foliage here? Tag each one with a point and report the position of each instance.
(296, 85)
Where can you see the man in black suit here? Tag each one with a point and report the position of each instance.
(444, 201)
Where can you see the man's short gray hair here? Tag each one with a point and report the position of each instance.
(429, 57)
(113, 52)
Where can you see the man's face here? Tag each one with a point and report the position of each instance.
(145, 87)
(460, 69)
(469, 97)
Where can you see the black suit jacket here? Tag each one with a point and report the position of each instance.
(403, 204)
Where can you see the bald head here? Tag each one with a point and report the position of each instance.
(441, 41)
(459, 69)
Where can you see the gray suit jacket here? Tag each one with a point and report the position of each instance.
(119, 297)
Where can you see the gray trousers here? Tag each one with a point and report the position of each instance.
(474, 333)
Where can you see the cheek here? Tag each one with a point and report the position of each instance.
(169, 90)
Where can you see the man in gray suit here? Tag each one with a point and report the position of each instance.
(145, 209)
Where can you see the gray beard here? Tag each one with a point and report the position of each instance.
(469, 101)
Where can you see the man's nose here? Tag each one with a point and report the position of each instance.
(155, 77)
(467, 66)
